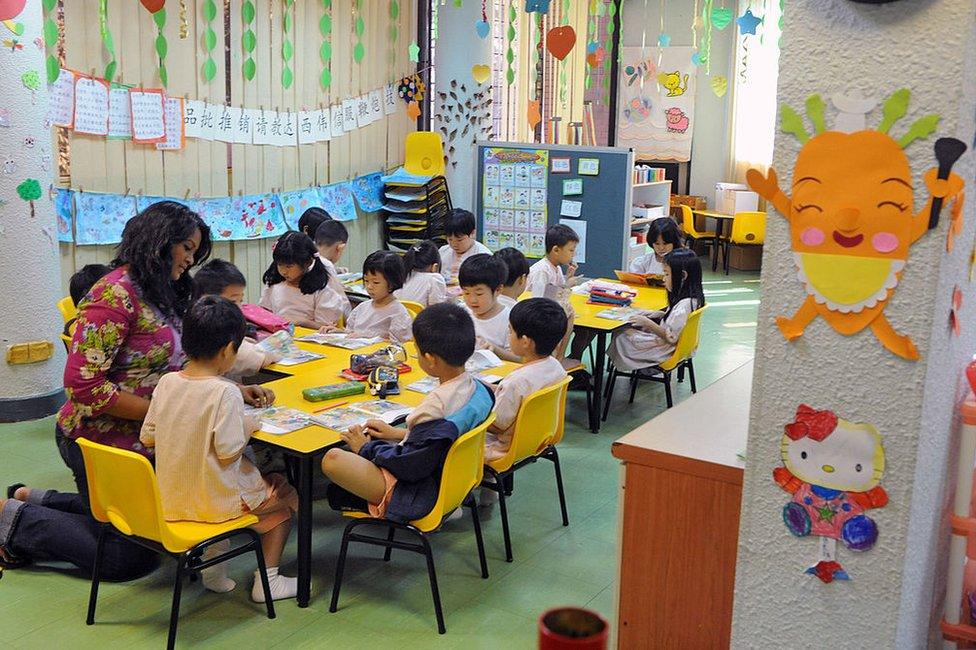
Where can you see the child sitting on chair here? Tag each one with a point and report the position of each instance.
(459, 230)
(653, 335)
(382, 315)
(396, 473)
(517, 278)
(197, 424)
(331, 239)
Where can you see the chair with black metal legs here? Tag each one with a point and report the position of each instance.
(462, 472)
(124, 495)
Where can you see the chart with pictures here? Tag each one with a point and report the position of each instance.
(514, 199)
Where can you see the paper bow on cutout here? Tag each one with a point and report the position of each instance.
(954, 316)
(811, 423)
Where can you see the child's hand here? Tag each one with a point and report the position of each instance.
(640, 321)
(571, 269)
(481, 344)
(271, 357)
(380, 429)
(355, 437)
(257, 396)
(330, 329)
(342, 270)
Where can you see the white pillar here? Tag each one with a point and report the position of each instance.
(29, 261)
(458, 49)
(894, 596)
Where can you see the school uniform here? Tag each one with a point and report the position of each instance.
(647, 265)
(426, 288)
(631, 348)
(506, 301)
(391, 321)
(336, 285)
(451, 261)
(322, 306)
(492, 330)
(511, 392)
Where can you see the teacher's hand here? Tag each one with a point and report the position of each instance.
(257, 395)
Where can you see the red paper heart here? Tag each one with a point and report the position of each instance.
(560, 40)
(152, 6)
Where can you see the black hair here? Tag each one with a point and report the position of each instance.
(311, 219)
(420, 256)
(666, 229)
(559, 235)
(146, 247)
(209, 325)
(459, 222)
(295, 248)
(389, 265)
(82, 281)
(683, 261)
(482, 269)
(515, 262)
(542, 320)
(331, 232)
(446, 331)
(215, 276)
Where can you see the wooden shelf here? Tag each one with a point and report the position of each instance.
(652, 184)
(644, 222)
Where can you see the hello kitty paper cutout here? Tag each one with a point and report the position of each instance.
(832, 469)
(852, 218)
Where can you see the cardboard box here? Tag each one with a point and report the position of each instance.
(745, 258)
(734, 197)
(647, 212)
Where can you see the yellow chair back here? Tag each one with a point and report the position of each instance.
(687, 340)
(540, 423)
(463, 471)
(749, 228)
(67, 308)
(688, 224)
(424, 154)
(413, 307)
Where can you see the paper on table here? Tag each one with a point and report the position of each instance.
(174, 125)
(482, 360)
(340, 419)
(425, 385)
(578, 226)
(337, 123)
(61, 99)
(339, 340)
(278, 420)
(148, 119)
(119, 113)
(571, 209)
(91, 106)
(619, 313)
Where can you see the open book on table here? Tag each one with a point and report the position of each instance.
(343, 417)
(339, 340)
(278, 420)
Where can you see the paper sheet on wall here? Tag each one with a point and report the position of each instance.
(571, 208)
(148, 120)
(244, 131)
(208, 120)
(376, 105)
(349, 115)
(514, 199)
(224, 124)
(579, 226)
(283, 127)
(61, 99)
(119, 113)
(368, 191)
(335, 116)
(262, 127)
(338, 201)
(295, 203)
(91, 106)
(306, 127)
(364, 116)
(192, 114)
(100, 218)
(63, 210)
(656, 108)
(321, 127)
(389, 99)
(175, 139)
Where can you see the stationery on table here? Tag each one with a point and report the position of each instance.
(339, 340)
(281, 344)
(343, 417)
(623, 314)
(278, 420)
(482, 360)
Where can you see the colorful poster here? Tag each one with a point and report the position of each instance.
(656, 111)
(514, 201)
(254, 216)
(338, 201)
(143, 202)
(100, 218)
(368, 191)
(62, 211)
(294, 204)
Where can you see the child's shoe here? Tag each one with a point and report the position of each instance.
(281, 586)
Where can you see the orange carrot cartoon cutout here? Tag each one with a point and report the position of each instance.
(852, 218)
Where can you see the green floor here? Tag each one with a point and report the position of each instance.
(386, 602)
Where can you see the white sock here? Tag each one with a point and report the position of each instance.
(215, 578)
(281, 586)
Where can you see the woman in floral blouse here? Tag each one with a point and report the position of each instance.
(127, 337)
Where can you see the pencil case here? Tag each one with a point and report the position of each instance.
(333, 391)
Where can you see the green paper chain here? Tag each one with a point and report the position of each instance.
(394, 31)
(608, 60)
(162, 47)
(562, 64)
(287, 47)
(325, 51)
(590, 34)
(359, 51)
(248, 40)
(510, 54)
(51, 38)
(209, 40)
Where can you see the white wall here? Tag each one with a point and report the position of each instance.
(710, 143)
(894, 597)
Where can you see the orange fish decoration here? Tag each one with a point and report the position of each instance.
(852, 218)
(534, 113)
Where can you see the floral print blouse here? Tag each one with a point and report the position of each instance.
(121, 343)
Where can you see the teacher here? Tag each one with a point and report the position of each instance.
(127, 337)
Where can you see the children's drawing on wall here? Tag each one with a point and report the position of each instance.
(832, 469)
(852, 215)
(657, 102)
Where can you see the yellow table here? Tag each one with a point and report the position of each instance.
(303, 445)
(720, 220)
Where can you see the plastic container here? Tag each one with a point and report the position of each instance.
(563, 628)
(333, 391)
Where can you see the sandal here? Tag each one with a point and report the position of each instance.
(13, 488)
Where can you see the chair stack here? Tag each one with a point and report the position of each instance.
(415, 213)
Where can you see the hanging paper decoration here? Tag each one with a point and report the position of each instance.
(209, 40)
(62, 212)
(107, 42)
(413, 52)
(534, 114)
(480, 73)
(359, 51)
(51, 35)
(537, 6)
(10, 9)
(702, 57)
(184, 23)
(325, 51)
(833, 470)
(413, 110)
(748, 23)
(955, 319)
(368, 191)
(394, 31)
(510, 51)
(851, 235)
(481, 27)
(287, 47)
(720, 85)
(161, 45)
(721, 17)
(663, 40)
(152, 6)
(30, 191)
(462, 118)
(657, 119)
(608, 46)
(248, 40)
(411, 89)
(562, 64)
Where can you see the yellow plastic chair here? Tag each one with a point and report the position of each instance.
(539, 427)
(424, 154)
(748, 229)
(413, 307)
(680, 359)
(68, 310)
(463, 471)
(692, 233)
(124, 496)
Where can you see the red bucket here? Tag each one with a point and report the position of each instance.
(573, 628)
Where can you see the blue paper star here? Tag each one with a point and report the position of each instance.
(539, 6)
(748, 22)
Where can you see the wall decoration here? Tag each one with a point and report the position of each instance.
(337, 200)
(63, 213)
(294, 204)
(833, 470)
(175, 129)
(955, 318)
(462, 118)
(657, 119)
(720, 85)
(721, 17)
(510, 48)
(395, 32)
(368, 191)
(10, 9)
(107, 42)
(152, 6)
(536, 6)
(184, 22)
(851, 234)
(515, 199)
(413, 110)
(119, 113)
(148, 115)
(249, 40)
(287, 47)
(100, 218)
(748, 23)
(560, 41)
(209, 69)
(29, 190)
(359, 26)
(91, 106)
(852, 111)
(480, 73)
(411, 89)
(162, 47)
(560, 165)
(534, 114)
(572, 187)
(413, 52)
(51, 35)
(589, 167)
(481, 27)
(61, 97)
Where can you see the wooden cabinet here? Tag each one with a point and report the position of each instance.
(682, 489)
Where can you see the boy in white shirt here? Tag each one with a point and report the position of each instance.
(331, 238)
(197, 424)
(546, 278)
(459, 230)
(517, 278)
(481, 278)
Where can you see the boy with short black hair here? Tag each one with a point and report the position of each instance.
(459, 230)
(310, 221)
(84, 279)
(395, 473)
(196, 423)
(481, 277)
(546, 278)
(331, 238)
(517, 278)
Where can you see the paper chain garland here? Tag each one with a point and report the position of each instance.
(162, 47)
(359, 51)
(209, 40)
(248, 41)
(52, 68)
(51, 36)
(325, 51)
(287, 47)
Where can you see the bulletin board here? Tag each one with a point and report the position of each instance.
(604, 204)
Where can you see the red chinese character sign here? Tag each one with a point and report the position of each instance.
(852, 218)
